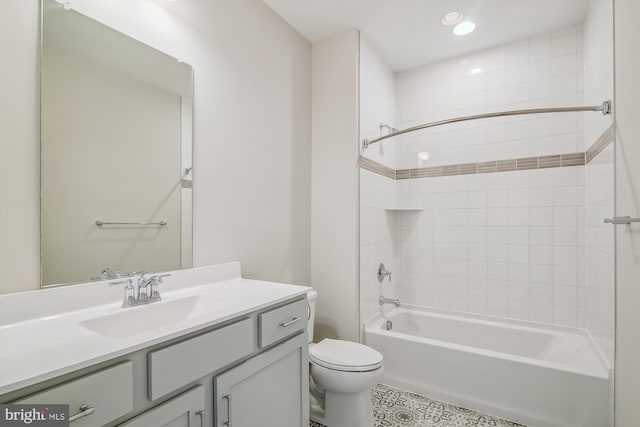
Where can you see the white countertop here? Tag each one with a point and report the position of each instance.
(35, 349)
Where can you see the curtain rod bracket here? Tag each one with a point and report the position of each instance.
(605, 108)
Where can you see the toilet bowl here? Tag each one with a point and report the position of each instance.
(342, 374)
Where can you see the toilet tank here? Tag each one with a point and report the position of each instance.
(312, 295)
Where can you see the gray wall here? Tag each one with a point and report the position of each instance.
(19, 147)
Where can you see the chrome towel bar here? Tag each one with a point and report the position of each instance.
(100, 223)
(616, 220)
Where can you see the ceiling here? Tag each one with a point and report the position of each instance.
(408, 33)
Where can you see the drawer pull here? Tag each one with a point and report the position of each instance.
(227, 397)
(85, 411)
(201, 414)
(290, 322)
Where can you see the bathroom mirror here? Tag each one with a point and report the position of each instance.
(116, 171)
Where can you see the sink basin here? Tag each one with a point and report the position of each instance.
(136, 320)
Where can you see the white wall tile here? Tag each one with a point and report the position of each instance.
(505, 244)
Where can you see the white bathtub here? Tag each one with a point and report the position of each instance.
(535, 374)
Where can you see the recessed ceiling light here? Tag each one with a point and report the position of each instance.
(452, 18)
(424, 155)
(464, 28)
(477, 70)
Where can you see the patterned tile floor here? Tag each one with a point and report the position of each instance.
(393, 407)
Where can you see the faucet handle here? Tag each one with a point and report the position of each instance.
(129, 292)
(160, 276)
(382, 272)
(156, 280)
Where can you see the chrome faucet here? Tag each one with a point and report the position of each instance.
(383, 300)
(107, 273)
(144, 293)
(382, 273)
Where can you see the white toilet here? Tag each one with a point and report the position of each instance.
(342, 374)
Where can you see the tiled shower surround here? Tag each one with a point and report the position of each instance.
(504, 244)
(503, 214)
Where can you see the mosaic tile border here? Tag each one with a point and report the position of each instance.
(394, 407)
(525, 163)
(601, 143)
(376, 167)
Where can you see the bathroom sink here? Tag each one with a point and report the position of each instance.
(136, 320)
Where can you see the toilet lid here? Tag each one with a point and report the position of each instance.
(345, 356)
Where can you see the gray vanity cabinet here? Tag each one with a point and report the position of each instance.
(185, 410)
(250, 371)
(269, 389)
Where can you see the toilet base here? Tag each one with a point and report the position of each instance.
(346, 410)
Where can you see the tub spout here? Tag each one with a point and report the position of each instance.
(382, 300)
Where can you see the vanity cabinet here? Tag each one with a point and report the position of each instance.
(249, 370)
(270, 389)
(186, 410)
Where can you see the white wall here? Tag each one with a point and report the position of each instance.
(334, 215)
(377, 228)
(627, 94)
(598, 68)
(597, 305)
(377, 102)
(19, 147)
(377, 105)
(252, 130)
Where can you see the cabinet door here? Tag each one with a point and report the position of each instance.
(181, 411)
(271, 389)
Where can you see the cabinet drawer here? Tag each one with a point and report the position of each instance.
(109, 391)
(282, 322)
(180, 364)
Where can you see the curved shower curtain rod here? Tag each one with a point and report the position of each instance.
(605, 108)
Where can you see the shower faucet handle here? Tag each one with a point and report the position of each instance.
(382, 273)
